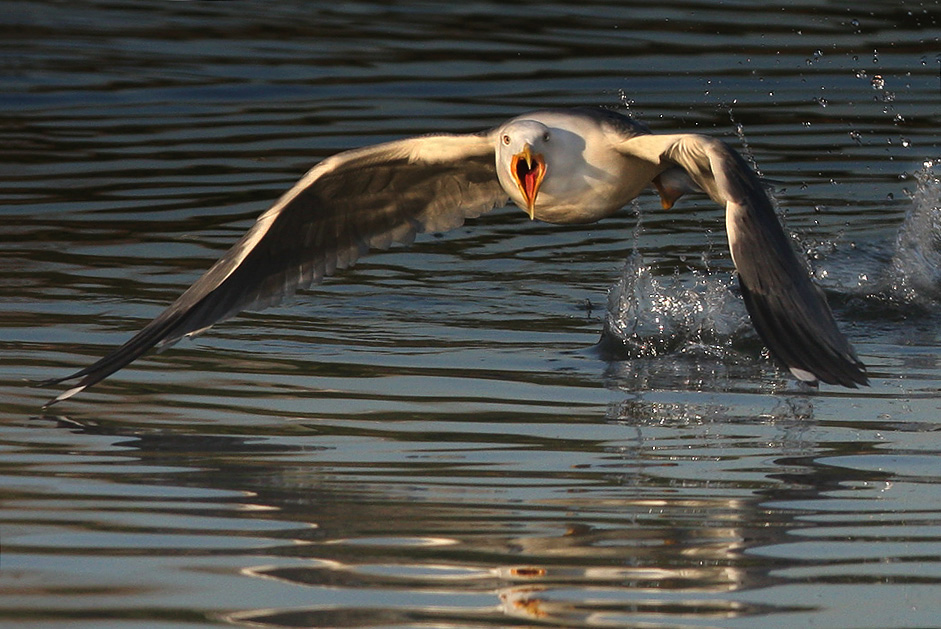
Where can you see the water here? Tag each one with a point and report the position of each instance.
(436, 437)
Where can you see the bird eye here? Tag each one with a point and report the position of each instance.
(545, 136)
(506, 139)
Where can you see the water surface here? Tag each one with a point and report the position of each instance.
(435, 437)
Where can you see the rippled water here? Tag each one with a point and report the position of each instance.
(436, 438)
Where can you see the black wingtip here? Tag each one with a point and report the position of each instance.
(51, 382)
(811, 349)
(157, 331)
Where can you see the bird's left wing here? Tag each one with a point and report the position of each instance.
(350, 202)
(788, 310)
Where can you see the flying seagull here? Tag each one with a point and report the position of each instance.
(558, 165)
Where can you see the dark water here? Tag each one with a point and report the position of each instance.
(431, 439)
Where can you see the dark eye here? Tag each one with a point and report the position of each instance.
(545, 136)
(506, 139)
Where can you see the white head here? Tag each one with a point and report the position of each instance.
(564, 166)
(541, 164)
(522, 164)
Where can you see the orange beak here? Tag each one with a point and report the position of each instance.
(528, 169)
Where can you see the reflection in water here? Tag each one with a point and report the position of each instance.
(428, 442)
(619, 528)
(562, 554)
(670, 512)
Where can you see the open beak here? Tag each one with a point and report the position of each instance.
(528, 169)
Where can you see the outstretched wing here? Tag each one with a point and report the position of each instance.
(350, 202)
(788, 310)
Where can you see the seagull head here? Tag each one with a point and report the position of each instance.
(522, 165)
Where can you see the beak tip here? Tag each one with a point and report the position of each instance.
(529, 181)
(531, 209)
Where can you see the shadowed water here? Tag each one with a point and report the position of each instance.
(511, 424)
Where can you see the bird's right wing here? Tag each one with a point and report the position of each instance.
(350, 202)
(788, 310)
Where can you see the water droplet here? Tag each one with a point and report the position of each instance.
(856, 136)
(854, 22)
(906, 143)
(823, 102)
(877, 82)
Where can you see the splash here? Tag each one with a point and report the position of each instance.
(650, 316)
(914, 275)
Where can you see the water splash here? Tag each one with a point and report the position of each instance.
(650, 316)
(626, 101)
(914, 274)
(745, 146)
(699, 312)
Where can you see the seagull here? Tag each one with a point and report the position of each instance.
(560, 166)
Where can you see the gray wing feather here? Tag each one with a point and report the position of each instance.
(788, 310)
(349, 203)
